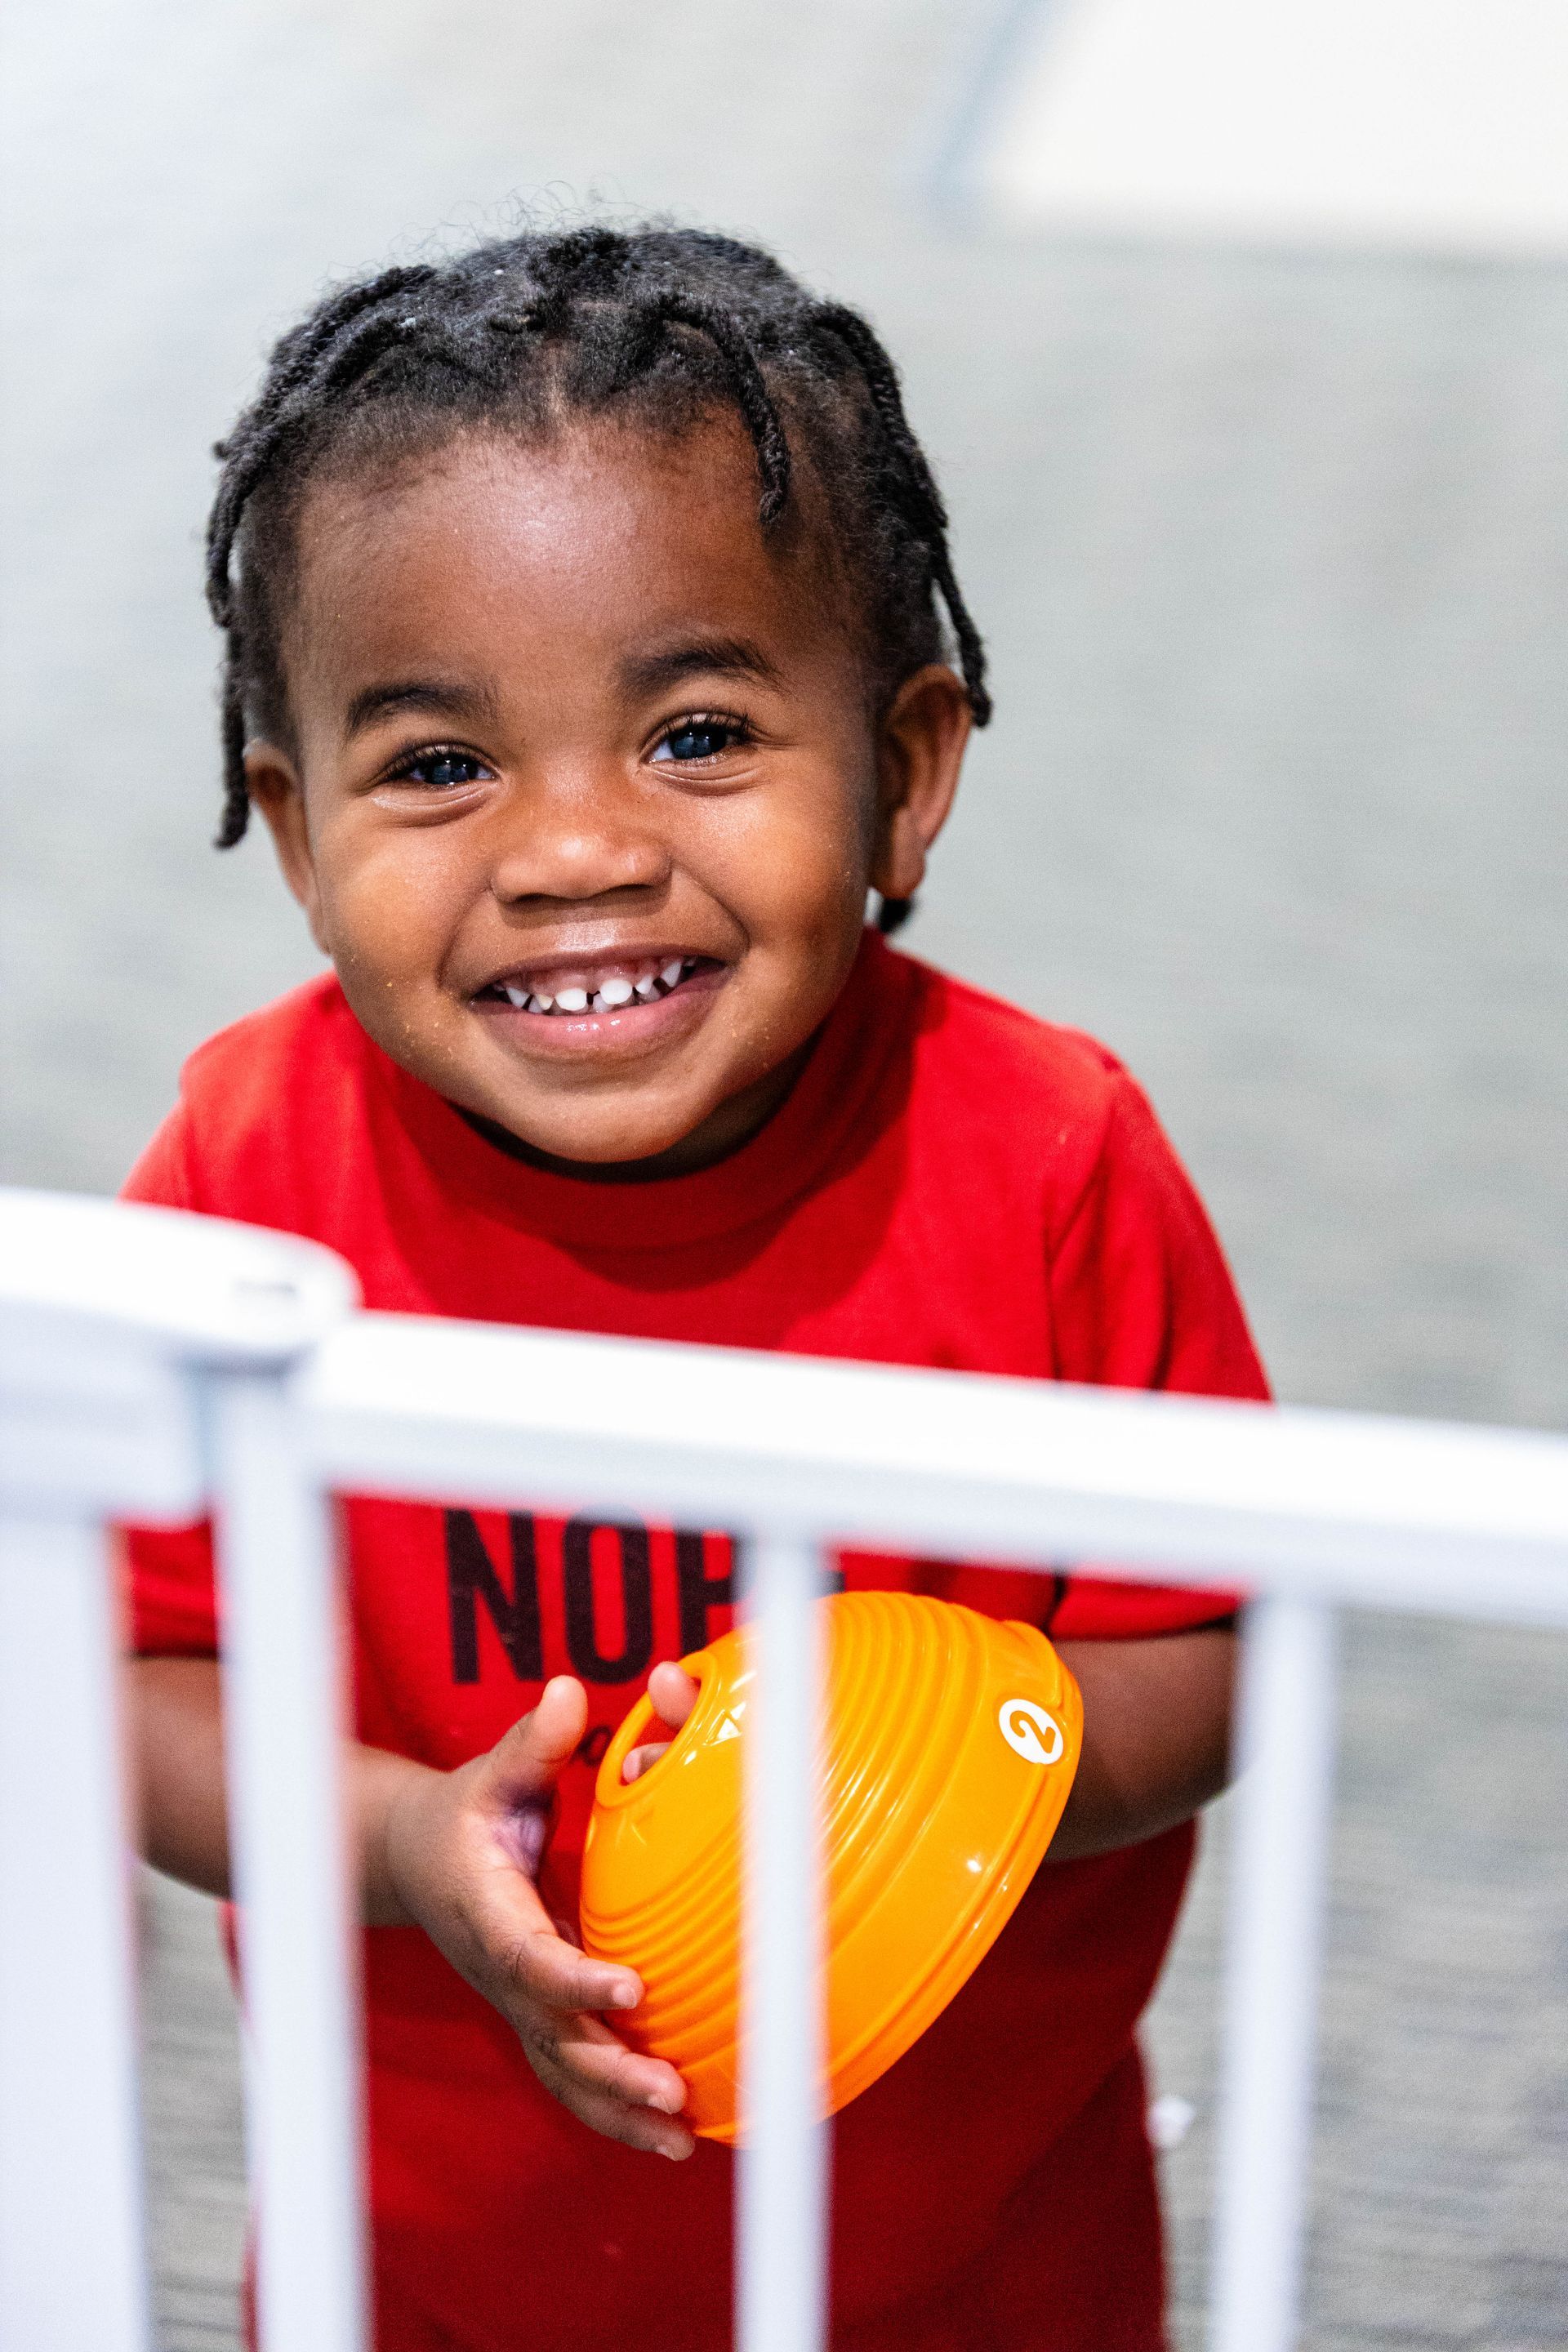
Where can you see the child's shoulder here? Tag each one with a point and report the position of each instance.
(1038, 1113)
(291, 1046)
(1045, 1052)
(263, 1100)
(1005, 1064)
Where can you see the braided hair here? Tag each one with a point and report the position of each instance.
(664, 325)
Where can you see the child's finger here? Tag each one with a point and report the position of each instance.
(630, 2102)
(639, 1760)
(528, 1761)
(538, 1966)
(597, 2060)
(673, 1692)
(637, 2127)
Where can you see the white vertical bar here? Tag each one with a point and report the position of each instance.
(284, 1691)
(1279, 1859)
(72, 2256)
(782, 2181)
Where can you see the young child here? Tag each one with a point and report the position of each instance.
(587, 602)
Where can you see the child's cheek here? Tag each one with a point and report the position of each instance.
(803, 861)
(390, 918)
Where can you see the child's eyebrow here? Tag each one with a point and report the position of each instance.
(441, 698)
(644, 674)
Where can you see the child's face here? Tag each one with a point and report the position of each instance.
(572, 734)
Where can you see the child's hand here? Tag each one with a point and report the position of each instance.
(674, 1694)
(460, 1852)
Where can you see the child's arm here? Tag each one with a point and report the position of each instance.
(453, 1852)
(1156, 1734)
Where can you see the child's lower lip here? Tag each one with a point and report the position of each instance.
(629, 1028)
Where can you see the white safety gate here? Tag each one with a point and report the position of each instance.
(154, 1366)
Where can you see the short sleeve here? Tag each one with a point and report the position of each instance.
(1142, 1298)
(170, 1596)
(163, 1178)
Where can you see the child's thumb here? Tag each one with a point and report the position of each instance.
(528, 1761)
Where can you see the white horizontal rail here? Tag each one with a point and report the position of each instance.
(1342, 1506)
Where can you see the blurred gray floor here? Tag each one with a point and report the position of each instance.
(1273, 555)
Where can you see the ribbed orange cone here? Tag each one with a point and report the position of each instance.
(951, 1741)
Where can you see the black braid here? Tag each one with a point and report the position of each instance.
(523, 332)
(253, 454)
(236, 814)
(292, 364)
(300, 348)
(750, 385)
(927, 515)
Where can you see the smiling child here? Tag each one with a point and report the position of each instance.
(589, 614)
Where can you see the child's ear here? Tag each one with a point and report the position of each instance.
(276, 789)
(919, 754)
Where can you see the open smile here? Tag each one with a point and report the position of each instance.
(596, 1006)
(595, 986)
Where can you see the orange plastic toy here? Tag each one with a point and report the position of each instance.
(951, 1741)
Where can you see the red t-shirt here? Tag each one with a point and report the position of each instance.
(950, 1183)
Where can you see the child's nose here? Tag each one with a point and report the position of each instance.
(579, 839)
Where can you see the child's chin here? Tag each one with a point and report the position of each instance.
(590, 1139)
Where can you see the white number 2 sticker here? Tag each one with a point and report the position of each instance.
(1030, 1732)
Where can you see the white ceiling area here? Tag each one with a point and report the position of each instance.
(1435, 125)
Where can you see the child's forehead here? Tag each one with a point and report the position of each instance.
(588, 492)
(491, 547)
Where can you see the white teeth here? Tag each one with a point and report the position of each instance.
(609, 996)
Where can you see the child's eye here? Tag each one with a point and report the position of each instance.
(440, 769)
(703, 736)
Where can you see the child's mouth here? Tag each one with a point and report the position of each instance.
(595, 989)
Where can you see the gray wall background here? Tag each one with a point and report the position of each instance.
(1273, 555)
